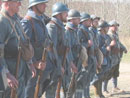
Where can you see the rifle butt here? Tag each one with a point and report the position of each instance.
(58, 88)
(37, 87)
(13, 93)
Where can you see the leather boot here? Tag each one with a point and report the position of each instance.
(96, 90)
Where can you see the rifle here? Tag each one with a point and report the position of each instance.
(60, 79)
(13, 91)
(40, 73)
(72, 85)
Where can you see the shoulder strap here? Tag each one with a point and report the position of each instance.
(54, 23)
(85, 33)
(12, 28)
(33, 27)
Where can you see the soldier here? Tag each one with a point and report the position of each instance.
(104, 45)
(11, 35)
(72, 39)
(85, 39)
(103, 29)
(56, 32)
(95, 35)
(116, 48)
(34, 26)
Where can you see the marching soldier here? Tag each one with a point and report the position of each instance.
(35, 28)
(85, 39)
(73, 43)
(104, 47)
(116, 48)
(104, 40)
(56, 32)
(95, 37)
(13, 57)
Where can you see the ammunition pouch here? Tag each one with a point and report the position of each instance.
(27, 50)
(115, 50)
(61, 49)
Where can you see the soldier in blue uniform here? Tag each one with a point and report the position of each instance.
(95, 37)
(73, 44)
(35, 28)
(85, 39)
(56, 32)
(104, 46)
(10, 33)
(117, 49)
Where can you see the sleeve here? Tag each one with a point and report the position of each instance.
(82, 39)
(27, 26)
(3, 34)
(68, 44)
(122, 47)
(52, 32)
(102, 45)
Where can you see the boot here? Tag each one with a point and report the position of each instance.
(100, 89)
(96, 90)
(78, 93)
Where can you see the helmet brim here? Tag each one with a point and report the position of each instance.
(33, 4)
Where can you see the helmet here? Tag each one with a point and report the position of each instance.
(113, 22)
(102, 24)
(73, 14)
(84, 16)
(35, 2)
(59, 8)
(94, 17)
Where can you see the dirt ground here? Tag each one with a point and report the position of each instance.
(124, 82)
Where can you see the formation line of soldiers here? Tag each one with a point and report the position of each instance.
(61, 56)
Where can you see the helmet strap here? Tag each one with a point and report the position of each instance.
(38, 10)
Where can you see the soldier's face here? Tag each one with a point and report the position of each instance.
(42, 7)
(114, 28)
(95, 22)
(88, 22)
(64, 16)
(14, 6)
(106, 29)
(76, 21)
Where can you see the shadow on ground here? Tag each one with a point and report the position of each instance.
(126, 93)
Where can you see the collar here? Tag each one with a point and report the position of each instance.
(6, 13)
(71, 26)
(58, 22)
(33, 15)
(84, 28)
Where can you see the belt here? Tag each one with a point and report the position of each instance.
(10, 56)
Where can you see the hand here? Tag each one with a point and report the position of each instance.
(62, 70)
(33, 70)
(125, 51)
(99, 66)
(113, 43)
(90, 43)
(12, 82)
(74, 68)
(40, 65)
(108, 48)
